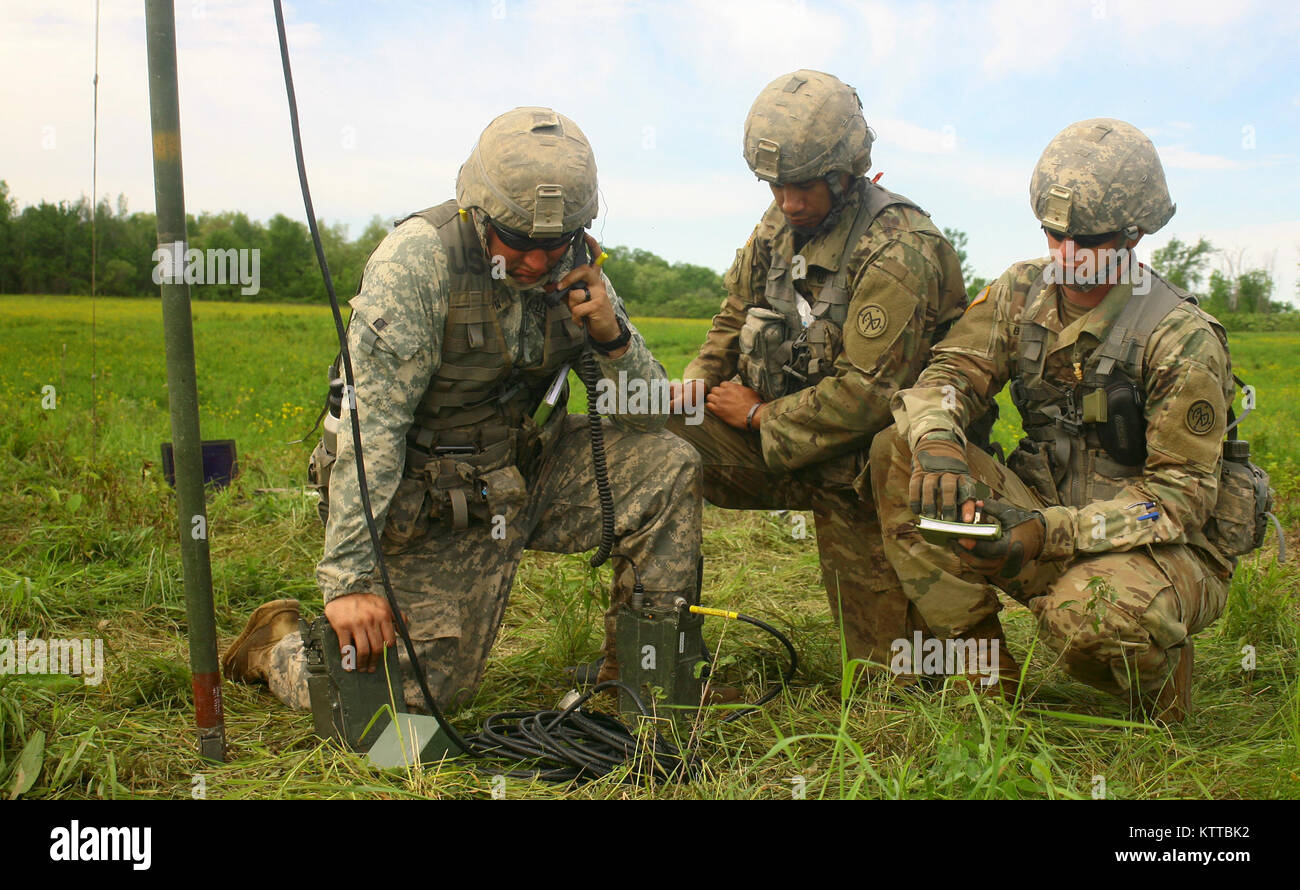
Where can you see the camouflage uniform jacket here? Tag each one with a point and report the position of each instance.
(1185, 368)
(902, 272)
(406, 283)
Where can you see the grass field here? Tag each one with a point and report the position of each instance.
(87, 549)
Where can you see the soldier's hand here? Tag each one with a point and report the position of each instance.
(941, 482)
(589, 300)
(1023, 534)
(691, 392)
(731, 402)
(362, 620)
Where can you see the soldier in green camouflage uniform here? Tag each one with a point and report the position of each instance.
(832, 306)
(1104, 540)
(453, 345)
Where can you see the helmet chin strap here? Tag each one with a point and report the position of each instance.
(1117, 266)
(839, 198)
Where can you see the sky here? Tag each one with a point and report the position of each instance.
(963, 97)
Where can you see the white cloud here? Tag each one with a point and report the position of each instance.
(417, 84)
(1031, 36)
(912, 137)
(750, 43)
(1183, 158)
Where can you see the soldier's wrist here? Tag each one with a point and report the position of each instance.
(611, 341)
(360, 586)
(1058, 534)
(941, 435)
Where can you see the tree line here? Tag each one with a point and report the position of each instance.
(46, 249)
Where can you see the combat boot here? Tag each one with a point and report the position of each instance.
(247, 658)
(989, 636)
(1173, 702)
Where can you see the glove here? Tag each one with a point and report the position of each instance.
(1023, 534)
(941, 481)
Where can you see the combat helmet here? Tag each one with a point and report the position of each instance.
(806, 125)
(533, 172)
(1098, 176)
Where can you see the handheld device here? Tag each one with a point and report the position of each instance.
(941, 531)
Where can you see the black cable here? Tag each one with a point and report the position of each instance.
(590, 378)
(589, 372)
(380, 565)
(575, 745)
(786, 677)
(571, 743)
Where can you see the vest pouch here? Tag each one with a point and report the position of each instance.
(536, 443)
(823, 342)
(505, 496)
(1031, 464)
(1123, 431)
(764, 353)
(458, 484)
(1239, 520)
(410, 515)
(319, 466)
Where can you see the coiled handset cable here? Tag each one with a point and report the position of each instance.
(589, 372)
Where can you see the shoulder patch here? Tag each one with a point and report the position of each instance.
(1200, 417)
(875, 323)
(873, 320)
(980, 297)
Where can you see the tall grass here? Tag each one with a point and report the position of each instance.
(87, 533)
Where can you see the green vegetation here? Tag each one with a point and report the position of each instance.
(46, 250)
(1241, 298)
(87, 527)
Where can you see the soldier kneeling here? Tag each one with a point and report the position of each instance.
(454, 345)
(1119, 512)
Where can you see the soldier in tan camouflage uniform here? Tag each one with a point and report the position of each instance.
(832, 306)
(1123, 389)
(453, 345)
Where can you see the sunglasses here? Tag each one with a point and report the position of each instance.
(1082, 240)
(517, 241)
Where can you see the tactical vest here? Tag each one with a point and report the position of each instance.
(473, 442)
(477, 395)
(472, 429)
(781, 356)
(1093, 434)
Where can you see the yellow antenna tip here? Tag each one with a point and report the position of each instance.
(600, 260)
(464, 214)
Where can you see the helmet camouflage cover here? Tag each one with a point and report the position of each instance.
(1098, 176)
(805, 125)
(532, 171)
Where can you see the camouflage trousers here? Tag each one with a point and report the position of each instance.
(453, 586)
(861, 587)
(1118, 621)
